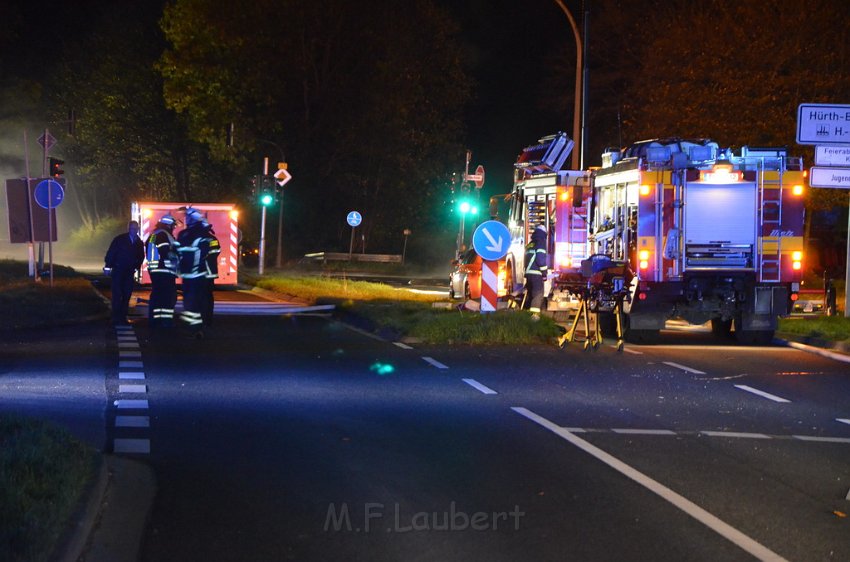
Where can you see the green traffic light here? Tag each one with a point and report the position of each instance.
(464, 207)
(266, 199)
(474, 210)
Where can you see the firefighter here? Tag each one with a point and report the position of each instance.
(193, 246)
(124, 257)
(211, 273)
(536, 269)
(162, 265)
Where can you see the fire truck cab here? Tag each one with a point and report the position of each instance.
(711, 234)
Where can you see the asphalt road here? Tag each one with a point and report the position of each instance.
(297, 438)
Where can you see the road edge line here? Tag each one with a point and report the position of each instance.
(711, 521)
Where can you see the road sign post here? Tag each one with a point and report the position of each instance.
(353, 219)
(282, 177)
(262, 256)
(490, 240)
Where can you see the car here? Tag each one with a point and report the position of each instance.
(465, 278)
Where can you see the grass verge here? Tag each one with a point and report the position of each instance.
(26, 304)
(834, 328)
(43, 473)
(326, 288)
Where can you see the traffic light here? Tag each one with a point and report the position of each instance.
(55, 167)
(267, 191)
(464, 207)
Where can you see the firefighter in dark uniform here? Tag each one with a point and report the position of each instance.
(162, 265)
(211, 273)
(536, 269)
(124, 257)
(192, 249)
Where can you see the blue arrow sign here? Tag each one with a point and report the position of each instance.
(49, 194)
(491, 240)
(354, 218)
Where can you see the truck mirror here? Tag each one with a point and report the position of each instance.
(494, 207)
(578, 195)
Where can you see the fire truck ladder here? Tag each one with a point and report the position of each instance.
(770, 251)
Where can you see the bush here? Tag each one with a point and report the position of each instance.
(87, 241)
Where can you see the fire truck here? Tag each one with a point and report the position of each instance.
(224, 219)
(544, 193)
(709, 234)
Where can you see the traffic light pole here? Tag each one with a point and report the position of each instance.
(263, 223)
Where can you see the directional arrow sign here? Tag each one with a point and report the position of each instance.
(282, 176)
(491, 240)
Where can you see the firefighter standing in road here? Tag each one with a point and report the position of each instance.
(162, 265)
(211, 273)
(125, 256)
(536, 269)
(193, 248)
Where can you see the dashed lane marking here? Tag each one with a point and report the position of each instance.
(132, 421)
(819, 439)
(130, 364)
(762, 393)
(401, 345)
(137, 446)
(130, 375)
(480, 387)
(632, 351)
(128, 354)
(132, 388)
(131, 404)
(711, 521)
(128, 344)
(735, 434)
(434, 362)
(843, 420)
(683, 367)
(644, 431)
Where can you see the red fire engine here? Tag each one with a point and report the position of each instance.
(708, 233)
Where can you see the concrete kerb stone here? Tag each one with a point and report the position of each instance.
(112, 528)
(835, 350)
(76, 535)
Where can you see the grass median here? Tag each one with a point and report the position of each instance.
(27, 304)
(833, 328)
(404, 312)
(44, 472)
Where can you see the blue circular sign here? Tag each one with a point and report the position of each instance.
(491, 240)
(49, 194)
(354, 218)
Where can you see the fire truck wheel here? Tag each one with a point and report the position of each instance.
(643, 337)
(721, 328)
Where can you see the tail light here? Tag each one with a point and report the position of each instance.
(643, 256)
(797, 261)
(797, 190)
(645, 189)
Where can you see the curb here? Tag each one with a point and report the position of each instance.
(78, 530)
(838, 351)
(112, 525)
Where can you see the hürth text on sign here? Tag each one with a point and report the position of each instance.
(819, 123)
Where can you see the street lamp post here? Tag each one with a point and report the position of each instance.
(407, 232)
(577, 128)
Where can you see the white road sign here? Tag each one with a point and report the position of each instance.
(832, 156)
(836, 178)
(282, 177)
(821, 123)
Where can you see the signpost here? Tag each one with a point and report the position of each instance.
(49, 194)
(282, 177)
(353, 219)
(828, 126)
(490, 240)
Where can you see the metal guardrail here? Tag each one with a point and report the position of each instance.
(340, 256)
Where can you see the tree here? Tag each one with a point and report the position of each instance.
(365, 101)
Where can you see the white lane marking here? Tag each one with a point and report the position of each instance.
(128, 344)
(129, 354)
(711, 521)
(632, 351)
(762, 393)
(138, 446)
(822, 439)
(129, 375)
(683, 367)
(132, 421)
(130, 364)
(644, 431)
(736, 434)
(434, 362)
(478, 386)
(847, 497)
(131, 404)
(818, 351)
(362, 332)
(128, 337)
(843, 420)
(401, 345)
(132, 388)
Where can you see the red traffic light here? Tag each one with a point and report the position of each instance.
(55, 167)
